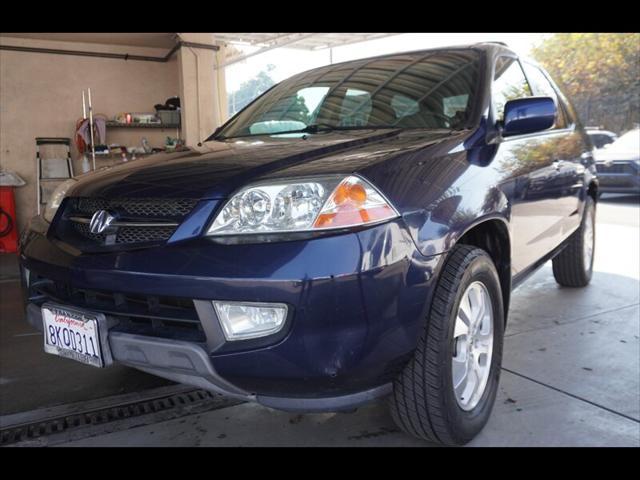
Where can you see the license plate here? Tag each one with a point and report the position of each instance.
(73, 334)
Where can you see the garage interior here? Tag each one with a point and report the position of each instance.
(571, 371)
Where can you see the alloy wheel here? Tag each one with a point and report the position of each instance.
(588, 241)
(472, 345)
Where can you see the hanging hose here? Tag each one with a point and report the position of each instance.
(7, 229)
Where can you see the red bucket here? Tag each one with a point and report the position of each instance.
(8, 222)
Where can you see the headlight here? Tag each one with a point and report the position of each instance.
(299, 205)
(56, 199)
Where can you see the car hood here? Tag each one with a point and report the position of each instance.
(216, 169)
(617, 152)
(609, 155)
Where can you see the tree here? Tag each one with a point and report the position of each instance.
(599, 72)
(250, 89)
(292, 107)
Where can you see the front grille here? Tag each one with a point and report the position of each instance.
(614, 168)
(139, 221)
(83, 229)
(158, 316)
(138, 207)
(143, 234)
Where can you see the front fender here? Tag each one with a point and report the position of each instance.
(439, 227)
(444, 189)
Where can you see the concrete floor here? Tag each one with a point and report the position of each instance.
(571, 370)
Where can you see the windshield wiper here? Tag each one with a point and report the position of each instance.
(314, 128)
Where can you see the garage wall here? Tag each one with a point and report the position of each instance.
(41, 96)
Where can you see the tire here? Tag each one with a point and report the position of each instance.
(424, 403)
(570, 268)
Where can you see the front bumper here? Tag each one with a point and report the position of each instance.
(188, 363)
(618, 177)
(357, 303)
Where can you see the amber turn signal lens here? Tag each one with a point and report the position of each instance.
(348, 192)
(352, 203)
(324, 220)
(357, 194)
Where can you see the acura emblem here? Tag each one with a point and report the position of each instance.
(100, 221)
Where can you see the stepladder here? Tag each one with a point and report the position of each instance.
(53, 160)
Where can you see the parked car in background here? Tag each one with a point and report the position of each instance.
(353, 233)
(600, 137)
(618, 164)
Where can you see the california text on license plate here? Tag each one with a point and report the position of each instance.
(72, 334)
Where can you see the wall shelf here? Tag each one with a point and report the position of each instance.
(112, 124)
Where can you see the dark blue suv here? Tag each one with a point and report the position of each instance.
(353, 233)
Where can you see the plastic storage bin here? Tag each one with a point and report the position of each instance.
(169, 117)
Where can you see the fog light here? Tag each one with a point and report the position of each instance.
(244, 320)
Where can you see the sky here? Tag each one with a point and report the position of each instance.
(289, 61)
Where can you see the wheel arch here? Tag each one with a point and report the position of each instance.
(492, 235)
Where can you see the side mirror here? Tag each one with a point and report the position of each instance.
(528, 115)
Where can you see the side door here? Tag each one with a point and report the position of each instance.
(526, 166)
(566, 145)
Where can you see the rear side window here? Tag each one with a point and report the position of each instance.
(542, 88)
(509, 83)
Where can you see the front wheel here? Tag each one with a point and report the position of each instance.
(446, 392)
(573, 267)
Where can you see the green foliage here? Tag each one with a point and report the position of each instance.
(291, 108)
(249, 90)
(298, 111)
(591, 63)
(596, 69)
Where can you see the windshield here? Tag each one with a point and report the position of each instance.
(431, 90)
(629, 142)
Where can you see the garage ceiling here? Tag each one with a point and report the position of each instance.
(305, 41)
(263, 41)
